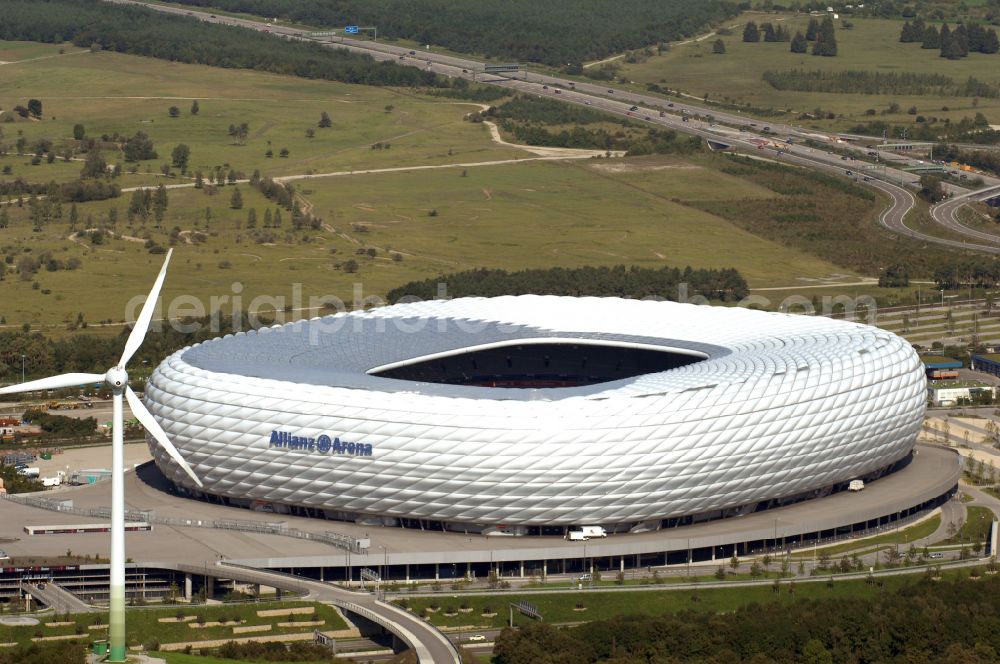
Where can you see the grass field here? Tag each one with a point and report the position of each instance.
(160, 624)
(562, 607)
(515, 214)
(976, 527)
(871, 45)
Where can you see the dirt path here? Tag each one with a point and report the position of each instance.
(565, 153)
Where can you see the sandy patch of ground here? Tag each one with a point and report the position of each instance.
(635, 168)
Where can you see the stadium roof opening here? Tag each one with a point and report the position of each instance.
(540, 363)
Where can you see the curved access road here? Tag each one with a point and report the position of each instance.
(945, 214)
(428, 643)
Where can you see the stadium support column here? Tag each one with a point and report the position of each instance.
(187, 586)
(437, 572)
(521, 569)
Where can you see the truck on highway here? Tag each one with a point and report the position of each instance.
(856, 485)
(576, 536)
(32, 471)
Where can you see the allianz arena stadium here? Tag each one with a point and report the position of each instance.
(535, 413)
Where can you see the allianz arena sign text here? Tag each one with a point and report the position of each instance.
(322, 444)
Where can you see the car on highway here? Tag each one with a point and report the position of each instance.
(646, 118)
(936, 555)
(545, 87)
(867, 179)
(670, 105)
(413, 52)
(402, 57)
(847, 173)
(633, 108)
(41, 586)
(588, 102)
(477, 637)
(611, 92)
(557, 91)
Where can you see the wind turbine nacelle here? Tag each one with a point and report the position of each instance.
(116, 378)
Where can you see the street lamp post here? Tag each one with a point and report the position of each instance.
(22, 367)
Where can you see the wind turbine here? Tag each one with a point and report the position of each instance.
(117, 379)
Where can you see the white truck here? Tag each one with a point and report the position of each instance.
(30, 472)
(585, 533)
(856, 485)
(56, 480)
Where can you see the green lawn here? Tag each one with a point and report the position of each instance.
(871, 45)
(976, 527)
(144, 624)
(562, 607)
(904, 537)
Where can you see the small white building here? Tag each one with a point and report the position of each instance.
(955, 393)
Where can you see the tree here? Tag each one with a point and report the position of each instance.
(770, 36)
(194, 107)
(35, 108)
(894, 276)
(350, 267)
(826, 41)
(324, 120)
(139, 148)
(990, 43)
(180, 155)
(284, 153)
(160, 204)
(932, 38)
(174, 112)
(79, 132)
(310, 132)
(799, 43)
(750, 32)
(94, 166)
(236, 201)
(719, 47)
(239, 133)
(930, 188)
(199, 180)
(251, 217)
(814, 652)
(812, 30)
(734, 562)
(74, 215)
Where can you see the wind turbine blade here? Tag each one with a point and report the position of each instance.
(54, 382)
(153, 427)
(145, 316)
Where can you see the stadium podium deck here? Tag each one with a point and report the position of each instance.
(890, 502)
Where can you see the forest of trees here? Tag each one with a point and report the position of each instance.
(878, 83)
(527, 118)
(725, 284)
(953, 44)
(555, 32)
(139, 31)
(927, 622)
